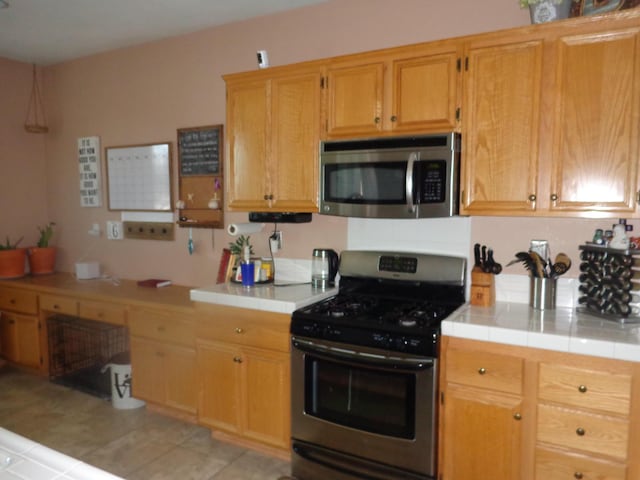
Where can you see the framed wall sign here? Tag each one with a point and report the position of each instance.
(89, 170)
(139, 177)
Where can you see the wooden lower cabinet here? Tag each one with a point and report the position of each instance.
(164, 374)
(244, 375)
(20, 339)
(163, 359)
(560, 465)
(245, 391)
(483, 423)
(518, 413)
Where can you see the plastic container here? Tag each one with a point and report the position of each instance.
(121, 398)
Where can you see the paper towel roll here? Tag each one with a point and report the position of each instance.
(244, 228)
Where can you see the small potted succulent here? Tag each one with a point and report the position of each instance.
(547, 10)
(42, 258)
(12, 259)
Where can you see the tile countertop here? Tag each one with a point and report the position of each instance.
(21, 458)
(269, 297)
(562, 329)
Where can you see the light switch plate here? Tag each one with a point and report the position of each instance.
(114, 231)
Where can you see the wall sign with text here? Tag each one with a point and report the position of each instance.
(89, 165)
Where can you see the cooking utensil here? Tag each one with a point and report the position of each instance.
(476, 255)
(494, 266)
(561, 265)
(538, 265)
(525, 259)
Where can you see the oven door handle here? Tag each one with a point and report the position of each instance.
(362, 358)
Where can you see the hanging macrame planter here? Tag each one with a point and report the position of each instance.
(35, 121)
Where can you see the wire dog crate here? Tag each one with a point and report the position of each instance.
(79, 349)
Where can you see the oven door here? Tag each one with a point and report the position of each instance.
(376, 405)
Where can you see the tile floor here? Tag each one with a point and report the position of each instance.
(134, 444)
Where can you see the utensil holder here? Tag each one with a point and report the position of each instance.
(542, 293)
(483, 289)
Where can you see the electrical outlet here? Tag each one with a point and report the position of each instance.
(149, 230)
(114, 231)
(276, 241)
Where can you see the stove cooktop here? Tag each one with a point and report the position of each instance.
(391, 301)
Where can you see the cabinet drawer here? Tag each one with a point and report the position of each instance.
(591, 389)
(162, 325)
(551, 465)
(583, 431)
(257, 332)
(54, 303)
(102, 312)
(485, 370)
(21, 301)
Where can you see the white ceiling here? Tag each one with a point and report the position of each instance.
(45, 32)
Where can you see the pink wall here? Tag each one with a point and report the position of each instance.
(143, 94)
(23, 189)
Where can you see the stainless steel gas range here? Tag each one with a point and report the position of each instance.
(364, 371)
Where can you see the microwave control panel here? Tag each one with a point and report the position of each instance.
(433, 178)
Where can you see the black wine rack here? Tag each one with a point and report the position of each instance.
(610, 283)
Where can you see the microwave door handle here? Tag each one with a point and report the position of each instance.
(411, 205)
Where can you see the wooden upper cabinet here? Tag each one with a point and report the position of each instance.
(354, 99)
(398, 91)
(596, 122)
(247, 128)
(273, 130)
(500, 118)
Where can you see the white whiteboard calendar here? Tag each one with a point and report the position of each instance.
(139, 177)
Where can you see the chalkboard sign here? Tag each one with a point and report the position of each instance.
(199, 150)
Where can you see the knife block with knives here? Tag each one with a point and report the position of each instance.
(483, 277)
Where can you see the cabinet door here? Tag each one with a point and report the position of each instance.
(500, 118)
(295, 130)
(219, 399)
(596, 122)
(425, 92)
(266, 393)
(247, 134)
(180, 376)
(354, 99)
(147, 370)
(20, 339)
(482, 435)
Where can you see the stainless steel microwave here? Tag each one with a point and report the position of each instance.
(396, 177)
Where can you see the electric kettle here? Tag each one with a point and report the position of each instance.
(324, 267)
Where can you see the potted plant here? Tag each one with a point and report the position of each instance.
(42, 258)
(238, 249)
(12, 260)
(547, 10)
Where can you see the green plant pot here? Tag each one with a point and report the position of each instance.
(549, 11)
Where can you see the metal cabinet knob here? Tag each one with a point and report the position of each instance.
(482, 370)
(376, 120)
(578, 475)
(394, 118)
(532, 197)
(554, 197)
(237, 359)
(582, 389)
(517, 416)
(239, 330)
(580, 431)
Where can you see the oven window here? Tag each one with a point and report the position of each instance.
(374, 400)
